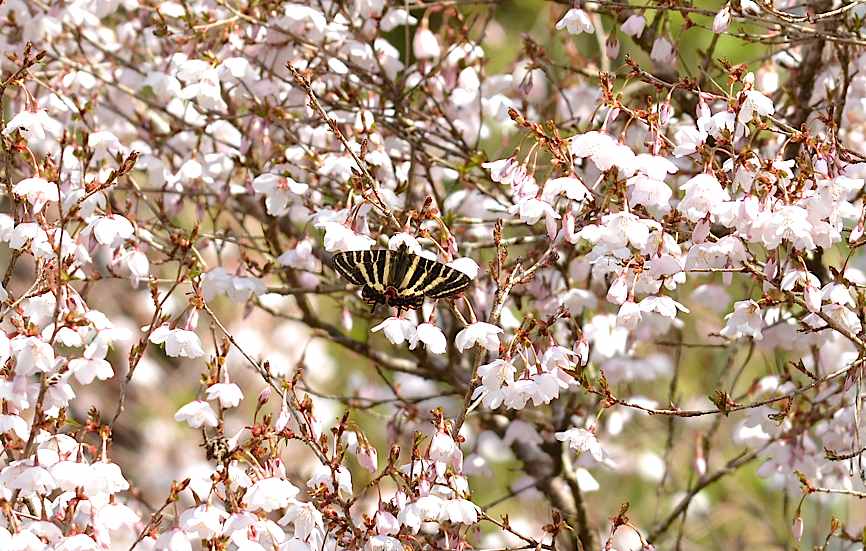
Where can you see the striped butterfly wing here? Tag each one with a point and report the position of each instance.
(410, 277)
(428, 278)
(363, 268)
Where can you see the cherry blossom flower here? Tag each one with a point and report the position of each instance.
(238, 288)
(582, 440)
(301, 257)
(397, 330)
(703, 196)
(325, 476)
(34, 126)
(339, 237)
(278, 192)
(269, 494)
(722, 20)
(178, 342)
(663, 51)
(425, 45)
(197, 414)
(431, 336)
(87, 369)
(443, 448)
(203, 522)
(634, 25)
(111, 230)
(38, 191)
(480, 333)
(744, 321)
(306, 519)
(228, 394)
(576, 21)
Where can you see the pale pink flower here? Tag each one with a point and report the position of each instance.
(744, 321)
(531, 210)
(238, 288)
(688, 139)
(14, 423)
(270, 494)
(582, 440)
(35, 127)
(722, 20)
(396, 17)
(397, 330)
(568, 185)
(111, 229)
(32, 355)
(325, 475)
(634, 25)
(412, 244)
(461, 511)
(704, 194)
(339, 237)
(178, 342)
(576, 21)
(306, 519)
(228, 394)
(278, 191)
(790, 223)
(386, 523)
(85, 370)
(432, 337)
(204, 521)
(301, 257)
(465, 265)
(425, 45)
(480, 333)
(618, 291)
(663, 51)
(196, 414)
(612, 47)
(649, 192)
(82, 542)
(443, 448)
(797, 528)
(663, 305)
(38, 191)
(629, 315)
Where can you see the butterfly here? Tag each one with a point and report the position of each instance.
(399, 278)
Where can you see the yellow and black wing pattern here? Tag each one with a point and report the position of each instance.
(399, 278)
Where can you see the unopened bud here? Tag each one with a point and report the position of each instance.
(797, 529)
(264, 396)
(612, 47)
(722, 20)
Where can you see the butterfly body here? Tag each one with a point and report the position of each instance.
(399, 278)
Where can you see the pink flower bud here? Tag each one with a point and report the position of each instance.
(813, 298)
(722, 20)
(618, 291)
(425, 44)
(797, 529)
(664, 113)
(634, 25)
(612, 47)
(264, 396)
(856, 232)
(581, 348)
(701, 231)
